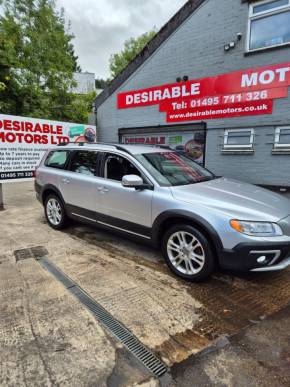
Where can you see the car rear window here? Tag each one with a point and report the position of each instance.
(84, 162)
(57, 159)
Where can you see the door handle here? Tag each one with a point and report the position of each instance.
(65, 181)
(103, 189)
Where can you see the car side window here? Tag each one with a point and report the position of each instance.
(57, 159)
(116, 167)
(84, 162)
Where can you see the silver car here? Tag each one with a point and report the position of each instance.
(200, 221)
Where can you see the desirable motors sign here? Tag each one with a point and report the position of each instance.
(24, 140)
(245, 92)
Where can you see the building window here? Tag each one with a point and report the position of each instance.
(269, 24)
(282, 138)
(239, 139)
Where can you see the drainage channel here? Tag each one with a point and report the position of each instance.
(117, 329)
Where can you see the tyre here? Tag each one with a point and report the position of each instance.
(55, 212)
(188, 253)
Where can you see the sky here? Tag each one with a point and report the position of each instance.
(101, 26)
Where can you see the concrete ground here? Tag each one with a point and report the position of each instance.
(258, 356)
(48, 338)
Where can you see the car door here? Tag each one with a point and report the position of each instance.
(78, 184)
(125, 208)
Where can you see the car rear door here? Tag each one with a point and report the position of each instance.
(123, 208)
(78, 184)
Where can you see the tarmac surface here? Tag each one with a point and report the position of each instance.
(216, 333)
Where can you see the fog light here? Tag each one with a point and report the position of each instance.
(262, 259)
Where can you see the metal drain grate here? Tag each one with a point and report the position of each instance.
(117, 329)
(32, 252)
(58, 274)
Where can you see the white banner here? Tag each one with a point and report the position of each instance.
(24, 140)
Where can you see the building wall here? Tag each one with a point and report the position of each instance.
(261, 167)
(85, 83)
(196, 49)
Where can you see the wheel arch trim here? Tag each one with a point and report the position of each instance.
(51, 188)
(188, 216)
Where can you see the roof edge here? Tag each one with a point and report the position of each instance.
(162, 35)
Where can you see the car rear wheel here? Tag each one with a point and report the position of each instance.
(55, 212)
(188, 253)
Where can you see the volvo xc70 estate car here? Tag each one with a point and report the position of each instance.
(199, 220)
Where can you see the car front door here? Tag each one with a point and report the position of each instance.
(78, 185)
(124, 208)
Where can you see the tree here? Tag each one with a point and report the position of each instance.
(37, 60)
(81, 106)
(101, 83)
(132, 47)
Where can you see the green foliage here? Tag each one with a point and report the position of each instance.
(132, 47)
(81, 107)
(37, 60)
(101, 83)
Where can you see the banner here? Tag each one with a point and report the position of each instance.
(240, 90)
(24, 140)
(216, 112)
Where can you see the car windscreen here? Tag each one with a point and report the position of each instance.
(173, 169)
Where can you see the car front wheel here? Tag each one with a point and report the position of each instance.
(188, 253)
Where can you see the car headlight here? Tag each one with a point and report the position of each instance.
(262, 229)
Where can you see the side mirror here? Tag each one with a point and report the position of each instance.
(132, 181)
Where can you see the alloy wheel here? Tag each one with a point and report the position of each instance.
(54, 212)
(185, 253)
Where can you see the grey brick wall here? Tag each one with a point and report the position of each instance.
(196, 49)
(261, 167)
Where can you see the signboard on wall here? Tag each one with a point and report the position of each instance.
(189, 143)
(240, 93)
(24, 140)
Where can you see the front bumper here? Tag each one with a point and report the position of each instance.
(280, 266)
(258, 257)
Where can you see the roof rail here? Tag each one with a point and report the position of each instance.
(117, 146)
(82, 143)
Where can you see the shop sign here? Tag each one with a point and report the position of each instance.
(245, 92)
(187, 143)
(145, 140)
(24, 140)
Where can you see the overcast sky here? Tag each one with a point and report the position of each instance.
(101, 26)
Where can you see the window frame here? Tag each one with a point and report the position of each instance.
(252, 16)
(277, 144)
(65, 165)
(249, 146)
